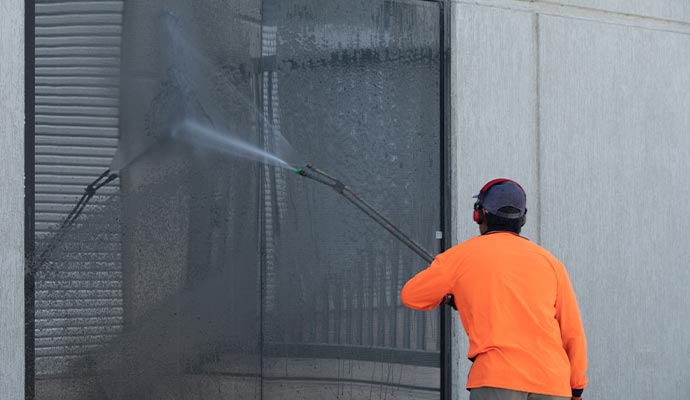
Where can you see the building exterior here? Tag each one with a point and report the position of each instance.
(582, 101)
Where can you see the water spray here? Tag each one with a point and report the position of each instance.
(199, 132)
(317, 175)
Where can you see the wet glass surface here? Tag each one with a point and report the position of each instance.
(239, 278)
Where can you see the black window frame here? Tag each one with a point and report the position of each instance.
(29, 195)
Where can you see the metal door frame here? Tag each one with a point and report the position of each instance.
(445, 216)
(29, 196)
(445, 195)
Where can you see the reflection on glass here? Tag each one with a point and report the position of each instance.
(238, 277)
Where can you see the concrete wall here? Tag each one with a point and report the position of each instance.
(12, 200)
(586, 103)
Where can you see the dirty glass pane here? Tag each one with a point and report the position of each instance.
(209, 269)
(355, 87)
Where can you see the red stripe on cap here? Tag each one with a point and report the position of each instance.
(496, 182)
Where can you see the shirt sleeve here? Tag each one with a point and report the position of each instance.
(426, 290)
(572, 332)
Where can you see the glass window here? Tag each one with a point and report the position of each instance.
(210, 269)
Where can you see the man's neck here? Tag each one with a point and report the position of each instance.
(499, 230)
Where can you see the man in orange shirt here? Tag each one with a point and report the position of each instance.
(516, 303)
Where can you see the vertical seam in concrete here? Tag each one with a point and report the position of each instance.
(537, 107)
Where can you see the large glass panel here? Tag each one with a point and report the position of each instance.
(355, 88)
(210, 269)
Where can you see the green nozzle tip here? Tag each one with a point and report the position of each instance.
(299, 171)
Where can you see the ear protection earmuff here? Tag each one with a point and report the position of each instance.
(478, 214)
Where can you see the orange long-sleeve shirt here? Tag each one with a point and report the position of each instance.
(518, 309)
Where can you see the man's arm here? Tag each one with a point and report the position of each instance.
(428, 288)
(572, 333)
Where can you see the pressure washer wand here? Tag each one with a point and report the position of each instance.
(328, 180)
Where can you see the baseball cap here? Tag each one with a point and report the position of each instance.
(504, 194)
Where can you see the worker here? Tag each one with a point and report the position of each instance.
(515, 301)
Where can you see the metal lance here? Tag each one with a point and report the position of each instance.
(319, 176)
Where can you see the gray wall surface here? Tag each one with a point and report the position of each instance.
(12, 200)
(588, 108)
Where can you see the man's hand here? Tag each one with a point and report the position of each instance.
(577, 394)
(450, 300)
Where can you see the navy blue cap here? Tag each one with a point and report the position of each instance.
(504, 194)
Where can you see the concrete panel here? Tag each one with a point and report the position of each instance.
(12, 200)
(494, 122)
(675, 10)
(615, 155)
